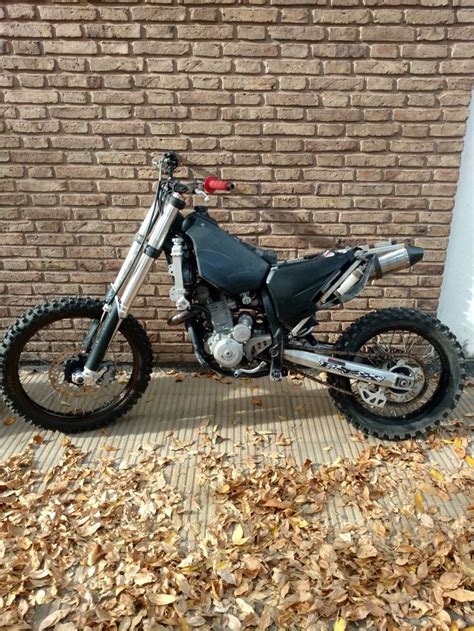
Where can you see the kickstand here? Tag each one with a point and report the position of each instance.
(276, 354)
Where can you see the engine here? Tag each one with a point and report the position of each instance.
(233, 339)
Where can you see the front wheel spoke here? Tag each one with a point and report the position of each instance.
(47, 397)
(60, 341)
(97, 396)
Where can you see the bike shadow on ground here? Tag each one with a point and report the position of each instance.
(169, 405)
(296, 409)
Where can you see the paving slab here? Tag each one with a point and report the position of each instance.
(250, 413)
(252, 418)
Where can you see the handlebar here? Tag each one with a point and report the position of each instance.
(169, 162)
(212, 184)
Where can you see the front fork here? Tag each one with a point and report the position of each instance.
(129, 280)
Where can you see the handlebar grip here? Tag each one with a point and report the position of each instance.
(212, 184)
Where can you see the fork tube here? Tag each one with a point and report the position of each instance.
(151, 252)
(103, 339)
(121, 308)
(132, 253)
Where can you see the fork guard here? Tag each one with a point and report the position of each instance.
(353, 370)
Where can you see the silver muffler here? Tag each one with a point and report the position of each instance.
(385, 259)
(401, 258)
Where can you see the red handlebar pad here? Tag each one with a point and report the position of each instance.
(212, 184)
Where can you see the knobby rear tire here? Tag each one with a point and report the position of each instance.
(433, 330)
(42, 315)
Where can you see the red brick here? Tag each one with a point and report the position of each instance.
(261, 15)
(158, 14)
(432, 16)
(387, 34)
(193, 32)
(296, 33)
(56, 13)
(345, 122)
(341, 16)
(70, 47)
(25, 29)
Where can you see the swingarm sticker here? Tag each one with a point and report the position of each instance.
(340, 366)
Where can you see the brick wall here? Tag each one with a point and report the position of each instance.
(340, 120)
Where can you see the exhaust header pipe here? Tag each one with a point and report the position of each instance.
(396, 259)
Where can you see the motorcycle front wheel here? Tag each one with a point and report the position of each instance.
(407, 342)
(45, 346)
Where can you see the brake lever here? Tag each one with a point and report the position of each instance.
(202, 193)
(198, 190)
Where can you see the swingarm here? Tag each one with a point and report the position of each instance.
(352, 370)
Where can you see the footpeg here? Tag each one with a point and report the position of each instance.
(250, 371)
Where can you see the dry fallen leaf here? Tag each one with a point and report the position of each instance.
(162, 599)
(233, 623)
(9, 421)
(123, 532)
(180, 376)
(283, 441)
(437, 475)
(238, 538)
(53, 619)
(461, 595)
(38, 439)
(257, 401)
(244, 606)
(357, 437)
(298, 522)
(178, 445)
(277, 504)
(366, 551)
(450, 580)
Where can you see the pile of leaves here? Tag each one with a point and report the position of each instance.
(107, 546)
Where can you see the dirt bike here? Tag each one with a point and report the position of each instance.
(79, 363)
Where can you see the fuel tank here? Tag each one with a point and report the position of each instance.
(294, 285)
(222, 259)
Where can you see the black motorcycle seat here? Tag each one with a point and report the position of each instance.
(270, 256)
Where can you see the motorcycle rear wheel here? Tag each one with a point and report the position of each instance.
(436, 356)
(42, 349)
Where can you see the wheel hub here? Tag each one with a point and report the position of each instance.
(377, 396)
(62, 370)
(73, 366)
(409, 367)
(66, 373)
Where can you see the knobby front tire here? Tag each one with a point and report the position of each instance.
(48, 315)
(450, 373)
